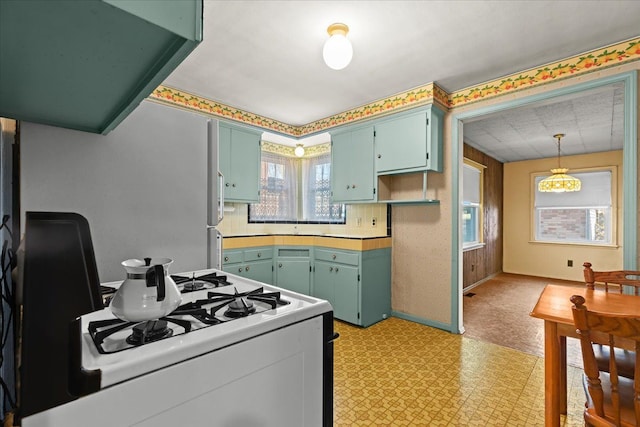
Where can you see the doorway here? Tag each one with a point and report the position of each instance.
(628, 84)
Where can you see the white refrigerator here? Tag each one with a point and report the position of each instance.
(150, 188)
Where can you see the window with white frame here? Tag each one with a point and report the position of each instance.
(580, 217)
(316, 191)
(296, 190)
(472, 175)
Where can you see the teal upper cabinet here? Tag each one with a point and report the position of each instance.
(240, 163)
(352, 166)
(86, 65)
(410, 142)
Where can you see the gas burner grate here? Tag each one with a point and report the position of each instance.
(194, 283)
(202, 313)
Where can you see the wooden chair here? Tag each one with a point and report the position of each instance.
(615, 278)
(612, 400)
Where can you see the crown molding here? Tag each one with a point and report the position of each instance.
(609, 56)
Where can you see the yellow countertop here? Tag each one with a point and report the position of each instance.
(330, 241)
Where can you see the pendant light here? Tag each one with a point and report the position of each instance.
(559, 182)
(299, 151)
(337, 51)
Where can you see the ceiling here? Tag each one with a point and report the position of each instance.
(265, 57)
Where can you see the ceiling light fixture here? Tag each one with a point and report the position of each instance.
(299, 151)
(559, 182)
(337, 51)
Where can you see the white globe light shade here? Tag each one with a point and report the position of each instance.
(299, 151)
(337, 52)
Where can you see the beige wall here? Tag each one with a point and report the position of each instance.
(521, 254)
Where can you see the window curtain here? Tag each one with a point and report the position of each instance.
(316, 189)
(278, 189)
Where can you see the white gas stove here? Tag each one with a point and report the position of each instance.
(233, 353)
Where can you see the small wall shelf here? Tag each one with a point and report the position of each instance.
(404, 189)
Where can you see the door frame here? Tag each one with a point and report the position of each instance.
(629, 162)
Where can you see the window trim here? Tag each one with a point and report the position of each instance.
(613, 169)
(299, 199)
(480, 242)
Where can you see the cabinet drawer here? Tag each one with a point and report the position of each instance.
(258, 254)
(231, 257)
(286, 252)
(336, 256)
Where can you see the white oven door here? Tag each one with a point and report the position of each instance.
(273, 380)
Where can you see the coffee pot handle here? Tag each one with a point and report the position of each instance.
(155, 277)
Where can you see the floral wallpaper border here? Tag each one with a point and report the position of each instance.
(620, 53)
(312, 151)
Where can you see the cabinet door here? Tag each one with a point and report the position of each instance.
(239, 161)
(262, 271)
(352, 165)
(245, 167)
(294, 275)
(401, 143)
(346, 292)
(323, 281)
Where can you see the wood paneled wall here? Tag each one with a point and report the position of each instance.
(483, 262)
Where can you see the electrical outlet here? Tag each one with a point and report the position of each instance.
(569, 263)
(374, 221)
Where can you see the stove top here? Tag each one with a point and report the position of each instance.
(220, 313)
(210, 309)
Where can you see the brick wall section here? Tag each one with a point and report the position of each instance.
(563, 224)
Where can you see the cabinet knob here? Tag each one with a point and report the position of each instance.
(240, 270)
(379, 156)
(336, 269)
(247, 268)
(347, 187)
(226, 259)
(330, 268)
(353, 186)
(226, 184)
(259, 254)
(233, 185)
(333, 256)
(280, 265)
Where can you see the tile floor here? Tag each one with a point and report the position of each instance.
(401, 373)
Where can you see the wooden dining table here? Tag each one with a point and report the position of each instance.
(554, 308)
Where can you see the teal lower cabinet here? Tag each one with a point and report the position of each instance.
(357, 284)
(293, 269)
(254, 263)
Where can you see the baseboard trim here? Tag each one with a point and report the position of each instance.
(480, 282)
(427, 322)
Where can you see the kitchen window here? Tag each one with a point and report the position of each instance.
(581, 217)
(472, 204)
(296, 190)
